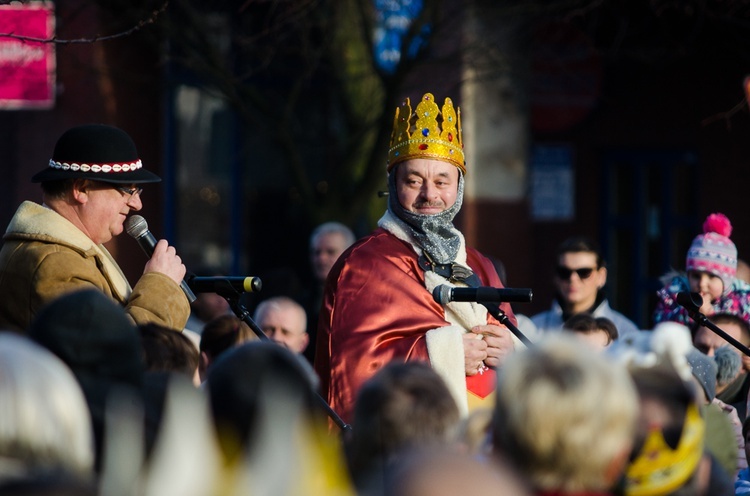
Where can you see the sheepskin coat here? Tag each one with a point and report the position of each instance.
(44, 256)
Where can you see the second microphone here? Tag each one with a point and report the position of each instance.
(217, 284)
(445, 294)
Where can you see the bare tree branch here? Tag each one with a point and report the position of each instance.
(725, 116)
(54, 39)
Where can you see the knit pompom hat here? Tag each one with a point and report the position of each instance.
(713, 251)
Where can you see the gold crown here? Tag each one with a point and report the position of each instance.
(427, 140)
(660, 469)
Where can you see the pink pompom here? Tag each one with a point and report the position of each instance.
(719, 224)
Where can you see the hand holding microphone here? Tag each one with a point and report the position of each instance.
(163, 258)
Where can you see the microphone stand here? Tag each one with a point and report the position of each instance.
(691, 302)
(702, 320)
(502, 317)
(233, 297)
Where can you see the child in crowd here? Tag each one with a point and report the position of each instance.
(711, 267)
(599, 332)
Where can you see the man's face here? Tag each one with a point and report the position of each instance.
(426, 186)
(577, 279)
(708, 341)
(326, 250)
(285, 326)
(103, 209)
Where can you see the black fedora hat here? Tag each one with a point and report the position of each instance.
(98, 152)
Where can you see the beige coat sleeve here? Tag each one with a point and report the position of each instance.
(157, 298)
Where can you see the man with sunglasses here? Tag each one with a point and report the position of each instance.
(91, 185)
(580, 276)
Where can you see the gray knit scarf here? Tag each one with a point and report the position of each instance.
(435, 233)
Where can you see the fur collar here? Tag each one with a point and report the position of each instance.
(36, 222)
(445, 344)
(39, 222)
(464, 314)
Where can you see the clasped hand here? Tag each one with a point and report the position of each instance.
(486, 345)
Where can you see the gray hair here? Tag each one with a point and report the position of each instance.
(332, 227)
(281, 303)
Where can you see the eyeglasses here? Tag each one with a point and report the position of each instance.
(564, 273)
(129, 191)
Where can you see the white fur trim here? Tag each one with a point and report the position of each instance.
(464, 314)
(445, 345)
(37, 220)
(446, 350)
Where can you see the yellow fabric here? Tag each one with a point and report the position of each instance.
(476, 403)
(661, 470)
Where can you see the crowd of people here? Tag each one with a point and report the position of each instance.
(370, 385)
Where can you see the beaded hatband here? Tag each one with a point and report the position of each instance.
(105, 168)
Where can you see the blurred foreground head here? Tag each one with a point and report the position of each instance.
(565, 416)
(404, 406)
(670, 434)
(45, 426)
(96, 339)
(447, 473)
(253, 384)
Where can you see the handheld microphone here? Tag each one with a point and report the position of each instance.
(691, 302)
(445, 294)
(137, 227)
(218, 284)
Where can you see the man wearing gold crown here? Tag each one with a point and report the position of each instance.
(378, 305)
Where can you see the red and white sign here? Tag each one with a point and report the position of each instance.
(27, 67)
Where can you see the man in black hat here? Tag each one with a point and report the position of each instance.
(90, 187)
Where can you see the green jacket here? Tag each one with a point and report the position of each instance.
(44, 256)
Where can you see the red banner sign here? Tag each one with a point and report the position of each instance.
(27, 67)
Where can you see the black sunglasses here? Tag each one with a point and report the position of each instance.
(564, 273)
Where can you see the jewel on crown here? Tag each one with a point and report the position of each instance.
(420, 135)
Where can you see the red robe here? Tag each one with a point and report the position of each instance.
(376, 309)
